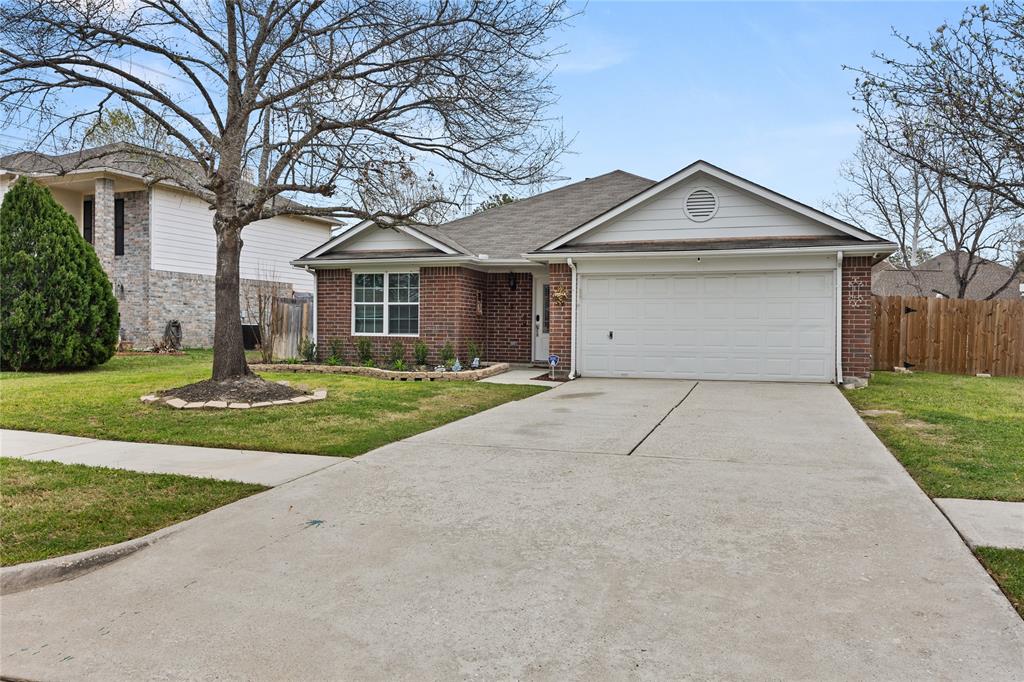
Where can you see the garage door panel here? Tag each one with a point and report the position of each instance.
(754, 326)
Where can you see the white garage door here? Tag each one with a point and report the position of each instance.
(777, 326)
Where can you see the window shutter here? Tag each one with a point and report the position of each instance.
(87, 220)
(118, 227)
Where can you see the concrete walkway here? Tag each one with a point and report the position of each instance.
(605, 529)
(986, 523)
(265, 468)
(521, 375)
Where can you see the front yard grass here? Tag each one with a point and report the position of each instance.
(1007, 568)
(49, 509)
(360, 413)
(958, 436)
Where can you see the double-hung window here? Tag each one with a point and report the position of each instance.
(386, 303)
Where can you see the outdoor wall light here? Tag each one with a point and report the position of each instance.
(512, 281)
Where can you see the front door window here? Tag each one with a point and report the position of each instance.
(545, 318)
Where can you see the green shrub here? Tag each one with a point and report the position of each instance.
(337, 356)
(472, 350)
(57, 307)
(369, 363)
(397, 352)
(364, 349)
(398, 365)
(447, 354)
(421, 351)
(307, 349)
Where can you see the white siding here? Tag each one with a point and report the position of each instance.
(183, 241)
(740, 214)
(380, 239)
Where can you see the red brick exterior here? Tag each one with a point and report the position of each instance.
(857, 317)
(560, 277)
(508, 314)
(452, 309)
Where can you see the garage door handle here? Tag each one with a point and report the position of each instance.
(611, 335)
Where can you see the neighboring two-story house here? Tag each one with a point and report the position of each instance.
(157, 243)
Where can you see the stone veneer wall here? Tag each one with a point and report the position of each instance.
(131, 270)
(857, 317)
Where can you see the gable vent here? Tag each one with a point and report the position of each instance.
(701, 205)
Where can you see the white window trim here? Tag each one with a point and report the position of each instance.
(385, 303)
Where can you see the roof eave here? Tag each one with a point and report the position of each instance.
(866, 248)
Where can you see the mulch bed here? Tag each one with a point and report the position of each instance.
(249, 389)
(547, 377)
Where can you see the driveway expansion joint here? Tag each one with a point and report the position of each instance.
(662, 420)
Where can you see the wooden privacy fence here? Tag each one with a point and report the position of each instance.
(290, 322)
(953, 336)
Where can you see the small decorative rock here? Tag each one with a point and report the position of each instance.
(217, 403)
(177, 403)
(902, 370)
(319, 395)
(149, 399)
(302, 399)
(238, 406)
(192, 406)
(265, 403)
(282, 402)
(983, 375)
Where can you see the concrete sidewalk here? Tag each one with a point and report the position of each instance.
(986, 523)
(264, 468)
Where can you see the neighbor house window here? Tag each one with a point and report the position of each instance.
(386, 303)
(87, 220)
(118, 227)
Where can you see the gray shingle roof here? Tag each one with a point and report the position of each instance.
(935, 275)
(510, 230)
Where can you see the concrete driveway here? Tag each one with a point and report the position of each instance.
(604, 529)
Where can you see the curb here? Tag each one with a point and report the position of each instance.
(23, 577)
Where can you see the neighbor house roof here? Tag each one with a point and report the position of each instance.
(117, 158)
(935, 276)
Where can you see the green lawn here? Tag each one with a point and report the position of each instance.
(957, 436)
(49, 509)
(1007, 568)
(359, 414)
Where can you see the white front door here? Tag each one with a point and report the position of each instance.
(541, 317)
(768, 326)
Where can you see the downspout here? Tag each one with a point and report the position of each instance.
(839, 318)
(315, 309)
(572, 322)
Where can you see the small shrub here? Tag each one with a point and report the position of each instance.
(307, 349)
(57, 308)
(447, 354)
(421, 351)
(369, 363)
(397, 352)
(337, 356)
(332, 361)
(472, 350)
(398, 365)
(364, 349)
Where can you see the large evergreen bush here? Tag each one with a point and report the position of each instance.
(57, 308)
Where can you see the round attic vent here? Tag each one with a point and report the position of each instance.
(701, 204)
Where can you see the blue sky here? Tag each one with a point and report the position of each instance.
(757, 88)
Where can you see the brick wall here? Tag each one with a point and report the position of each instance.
(509, 317)
(452, 306)
(560, 277)
(857, 317)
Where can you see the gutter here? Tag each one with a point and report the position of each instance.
(866, 248)
(572, 321)
(839, 318)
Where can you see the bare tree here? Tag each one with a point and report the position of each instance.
(961, 91)
(887, 196)
(290, 107)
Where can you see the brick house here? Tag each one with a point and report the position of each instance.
(156, 242)
(703, 275)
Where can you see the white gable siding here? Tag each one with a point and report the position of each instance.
(377, 239)
(183, 240)
(740, 214)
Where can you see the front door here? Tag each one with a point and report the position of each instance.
(541, 317)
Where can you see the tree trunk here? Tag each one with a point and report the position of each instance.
(228, 349)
